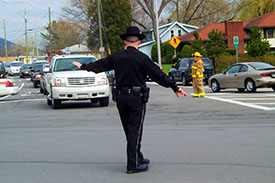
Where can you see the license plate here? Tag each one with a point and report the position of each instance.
(82, 95)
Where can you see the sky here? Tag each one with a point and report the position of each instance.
(13, 13)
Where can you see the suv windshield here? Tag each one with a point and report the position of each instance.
(65, 64)
(38, 67)
(16, 64)
(27, 66)
(2, 68)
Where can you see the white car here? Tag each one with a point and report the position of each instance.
(8, 87)
(15, 68)
(65, 81)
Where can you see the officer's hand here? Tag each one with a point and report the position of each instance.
(180, 91)
(77, 64)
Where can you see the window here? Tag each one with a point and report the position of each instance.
(179, 32)
(233, 69)
(172, 33)
(244, 68)
(270, 33)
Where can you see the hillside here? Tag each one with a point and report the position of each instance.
(2, 46)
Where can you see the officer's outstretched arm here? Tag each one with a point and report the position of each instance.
(77, 64)
(181, 92)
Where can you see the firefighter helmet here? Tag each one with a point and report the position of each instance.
(197, 54)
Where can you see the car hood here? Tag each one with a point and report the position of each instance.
(65, 74)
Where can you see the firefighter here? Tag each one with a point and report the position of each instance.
(197, 75)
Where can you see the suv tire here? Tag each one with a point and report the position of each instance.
(184, 80)
(103, 102)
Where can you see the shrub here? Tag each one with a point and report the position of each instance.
(186, 51)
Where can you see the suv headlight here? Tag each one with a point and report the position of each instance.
(59, 82)
(102, 80)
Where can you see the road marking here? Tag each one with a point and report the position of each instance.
(2, 98)
(21, 86)
(24, 100)
(251, 99)
(241, 103)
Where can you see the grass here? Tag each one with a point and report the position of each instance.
(166, 68)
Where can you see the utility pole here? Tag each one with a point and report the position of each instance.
(50, 34)
(6, 46)
(26, 37)
(101, 49)
(157, 33)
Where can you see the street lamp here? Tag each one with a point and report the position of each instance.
(37, 51)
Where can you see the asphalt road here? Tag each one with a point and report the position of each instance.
(225, 137)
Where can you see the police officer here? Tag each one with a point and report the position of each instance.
(197, 76)
(131, 69)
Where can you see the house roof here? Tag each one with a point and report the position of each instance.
(266, 20)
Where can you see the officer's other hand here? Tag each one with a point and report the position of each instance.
(181, 92)
(77, 64)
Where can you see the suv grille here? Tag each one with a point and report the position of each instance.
(81, 81)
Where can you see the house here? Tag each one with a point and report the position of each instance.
(230, 29)
(165, 33)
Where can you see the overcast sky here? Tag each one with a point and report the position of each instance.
(13, 13)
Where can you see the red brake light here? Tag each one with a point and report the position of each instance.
(189, 70)
(8, 83)
(264, 74)
(5, 74)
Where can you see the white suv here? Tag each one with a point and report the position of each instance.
(65, 81)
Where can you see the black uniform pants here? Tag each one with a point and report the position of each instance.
(132, 112)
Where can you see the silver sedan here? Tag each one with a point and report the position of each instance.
(244, 76)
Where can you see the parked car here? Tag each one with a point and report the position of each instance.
(182, 71)
(45, 69)
(244, 76)
(36, 72)
(8, 87)
(25, 70)
(7, 67)
(15, 68)
(65, 81)
(111, 76)
(2, 70)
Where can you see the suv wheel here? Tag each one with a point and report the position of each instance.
(184, 80)
(171, 76)
(103, 102)
(35, 85)
(56, 104)
(250, 86)
(215, 86)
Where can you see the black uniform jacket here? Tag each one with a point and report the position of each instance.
(131, 69)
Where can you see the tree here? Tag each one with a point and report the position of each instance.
(147, 6)
(186, 51)
(116, 17)
(61, 34)
(216, 45)
(257, 46)
(248, 9)
(197, 44)
(201, 12)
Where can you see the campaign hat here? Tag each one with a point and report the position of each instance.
(132, 31)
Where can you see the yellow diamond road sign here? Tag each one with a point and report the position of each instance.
(174, 42)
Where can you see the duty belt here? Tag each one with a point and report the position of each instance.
(136, 90)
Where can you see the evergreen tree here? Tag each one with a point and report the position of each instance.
(197, 44)
(216, 45)
(257, 46)
(116, 17)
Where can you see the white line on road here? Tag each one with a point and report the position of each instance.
(241, 103)
(21, 86)
(2, 98)
(25, 100)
